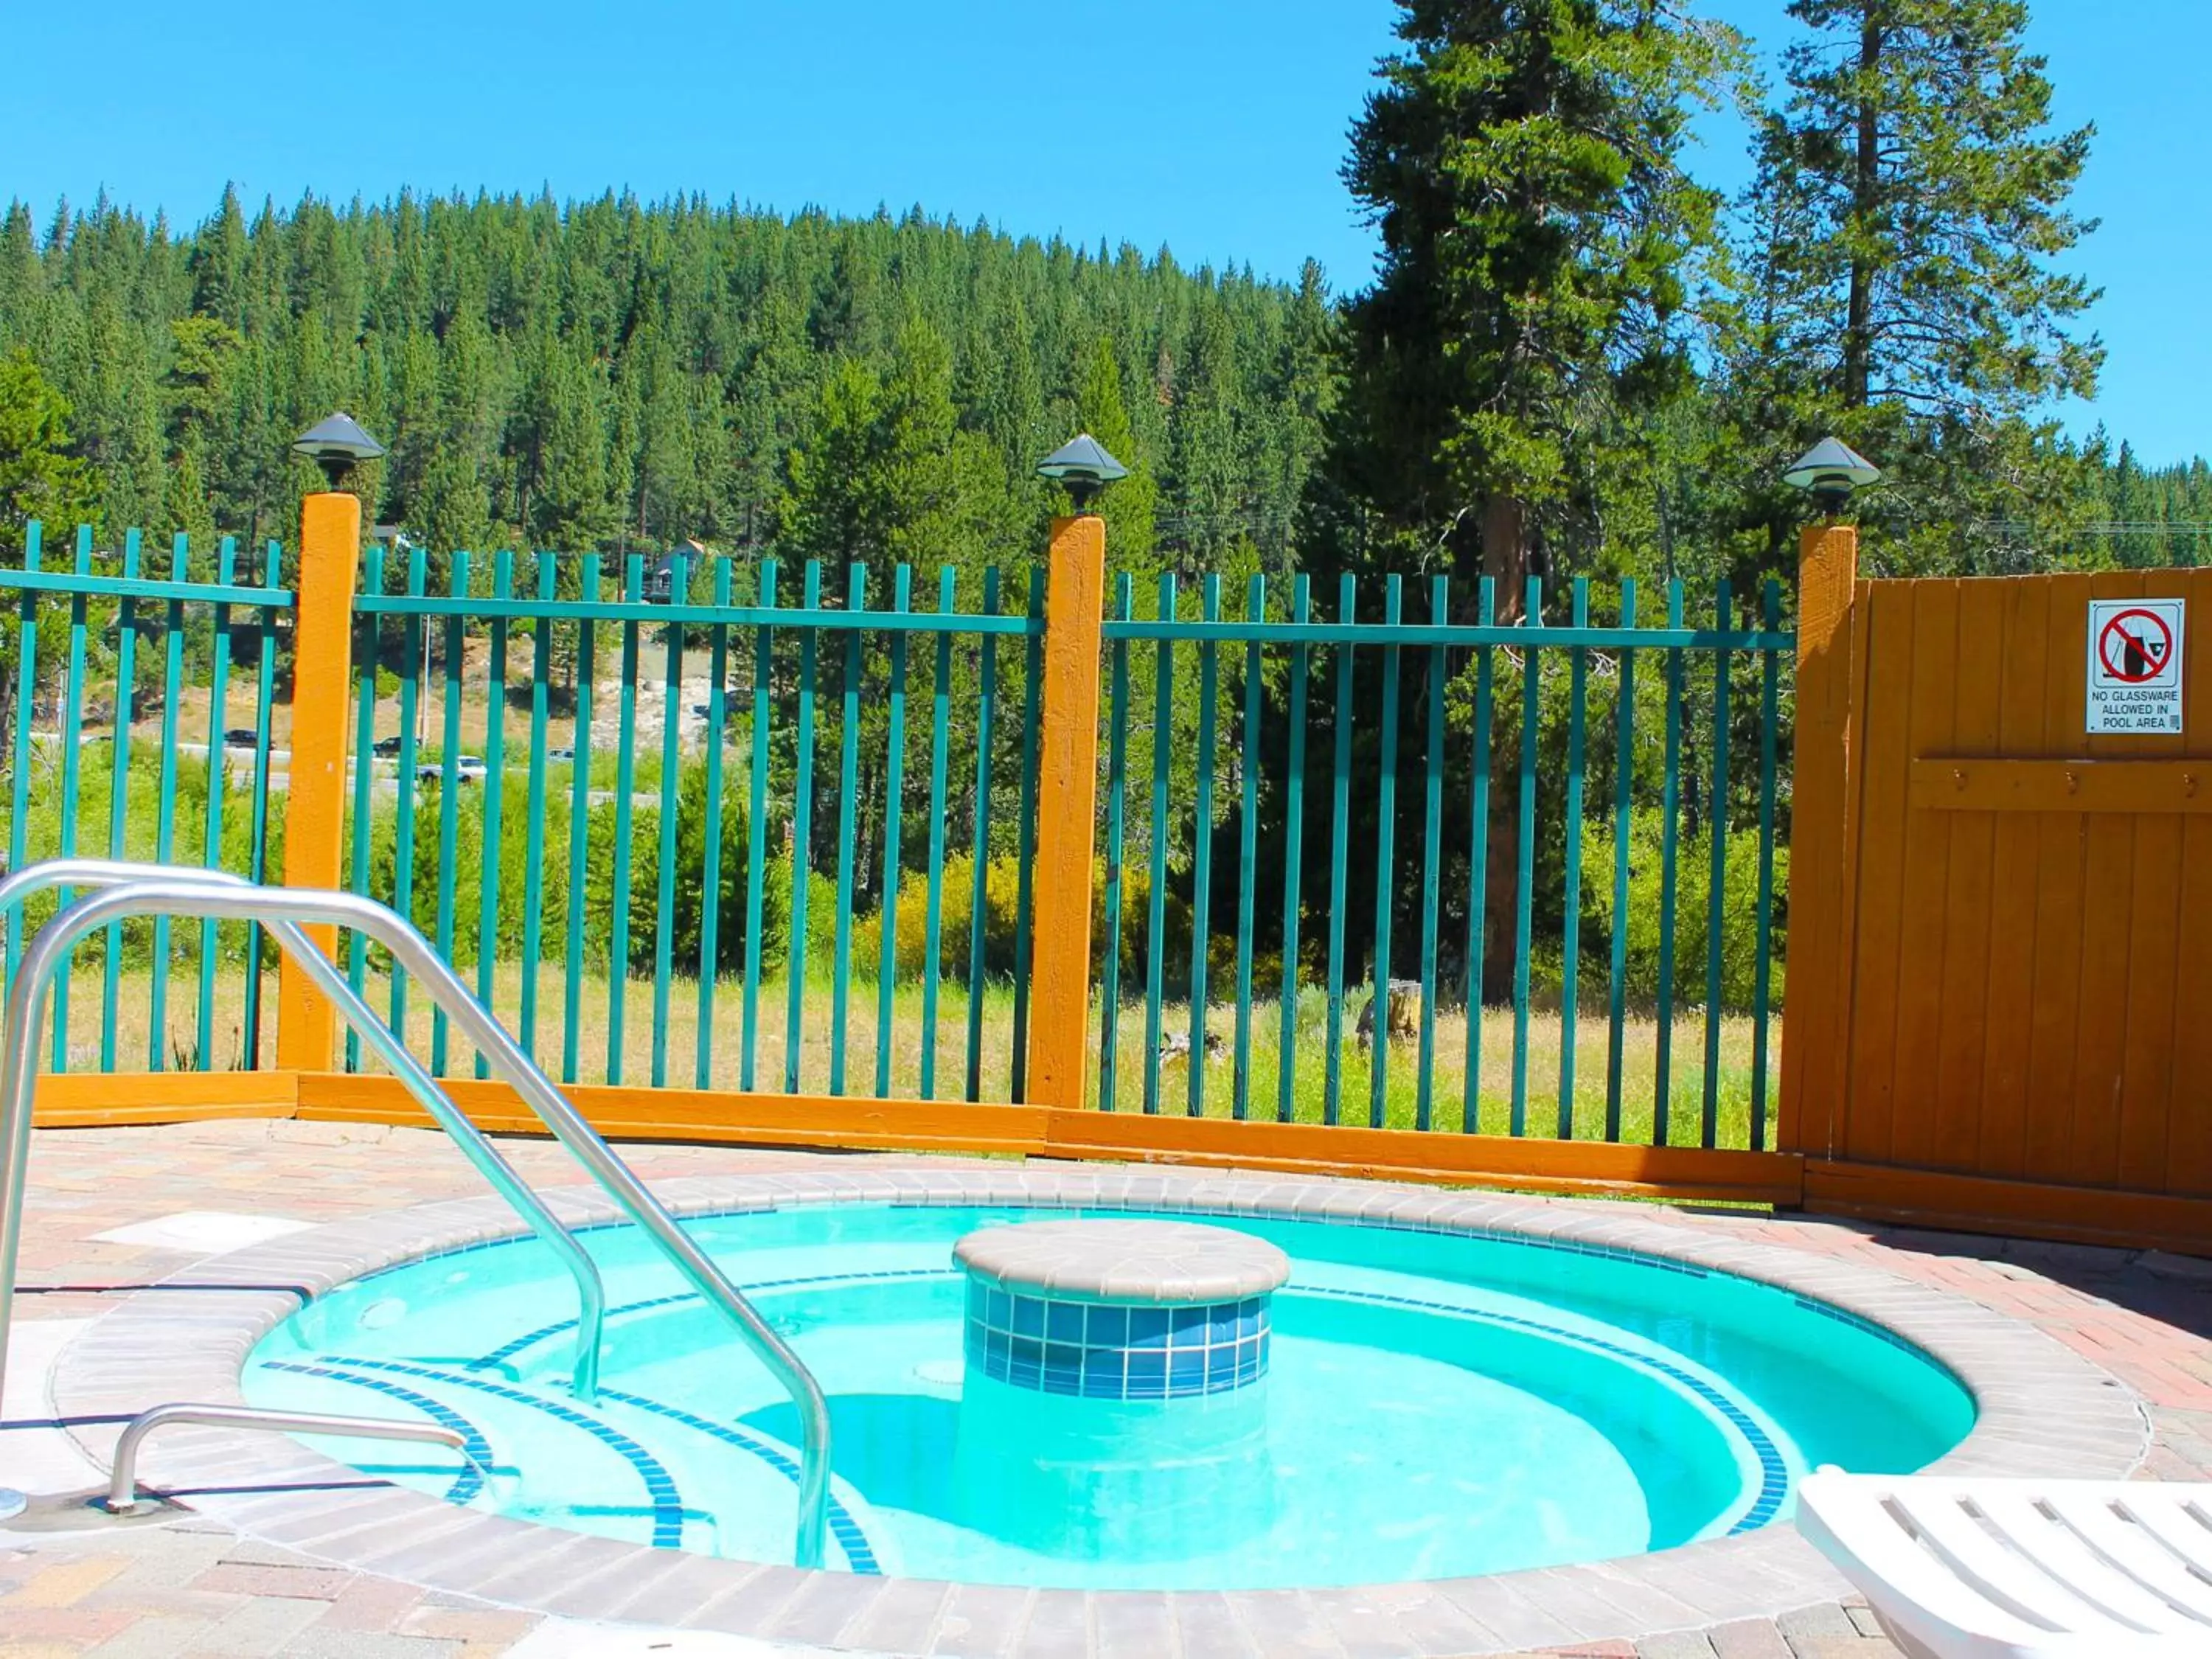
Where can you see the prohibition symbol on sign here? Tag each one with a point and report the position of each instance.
(2134, 666)
(2136, 646)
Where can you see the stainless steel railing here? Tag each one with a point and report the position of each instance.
(591, 1296)
(122, 1484)
(169, 893)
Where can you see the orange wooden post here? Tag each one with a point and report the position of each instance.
(1067, 813)
(1815, 1025)
(314, 820)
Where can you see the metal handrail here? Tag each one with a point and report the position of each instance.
(413, 954)
(122, 1484)
(591, 1294)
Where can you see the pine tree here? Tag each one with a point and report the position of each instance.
(883, 477)
(1522, 161)
(1918, 134)
(831, 510)
(1208, 460)
(218, 263)
(22, 279)
(666, 461)
(40, 476)
(1910, 207)
(575, 510)
(1129, 507)
(185, 507)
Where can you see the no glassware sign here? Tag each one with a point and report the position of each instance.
(2135, 665)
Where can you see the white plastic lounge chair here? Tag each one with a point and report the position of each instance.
(1967, 1568)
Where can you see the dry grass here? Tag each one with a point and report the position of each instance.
(654, 1048)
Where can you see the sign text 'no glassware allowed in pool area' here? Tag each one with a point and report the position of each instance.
(2134, 666)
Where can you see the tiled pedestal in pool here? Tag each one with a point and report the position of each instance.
(1115, 1368)
(1120, 1309)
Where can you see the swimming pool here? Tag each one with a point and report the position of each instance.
(1438, 1404)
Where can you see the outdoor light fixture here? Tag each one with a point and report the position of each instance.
(1084, 467)
(335, 445)
(1830, 470)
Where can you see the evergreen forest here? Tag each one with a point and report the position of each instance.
(619, 375)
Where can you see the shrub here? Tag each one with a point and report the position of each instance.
(1694, 874)
(643, 910)
(910, 924)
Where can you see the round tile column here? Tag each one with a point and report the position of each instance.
(1111, 1404)
(1120, 1309)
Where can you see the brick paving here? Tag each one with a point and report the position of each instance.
(192, 1587)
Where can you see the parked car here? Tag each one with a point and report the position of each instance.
(242, 737)
(561, 757)
(386, 747)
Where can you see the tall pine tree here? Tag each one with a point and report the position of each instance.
(1905, 232)
(1522, 161)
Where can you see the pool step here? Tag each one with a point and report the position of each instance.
(628, 1465)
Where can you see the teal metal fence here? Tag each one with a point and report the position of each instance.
(692, 828)
(724, 825)
(1426, 797)
(140, 697)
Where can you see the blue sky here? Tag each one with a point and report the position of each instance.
(1212, 126)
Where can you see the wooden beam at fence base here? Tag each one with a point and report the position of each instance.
(1967, 784)
(1036, 1131)
(1446, 1159)
(65, 1101)
(821, 1120)
(1967, 1203)
(927, 1126)
(1974, 1204)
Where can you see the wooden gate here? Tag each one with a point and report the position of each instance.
(2006, 1015)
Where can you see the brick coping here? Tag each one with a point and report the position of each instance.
(2042, 1410)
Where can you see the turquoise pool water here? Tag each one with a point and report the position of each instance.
(1436, 1405)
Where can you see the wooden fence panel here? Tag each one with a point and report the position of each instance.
(1961, 1037)
(2189, 1132)
(2001, 1127)
(2055, 885)
(1910, 1056)
(2028, 905)
(1883, 745)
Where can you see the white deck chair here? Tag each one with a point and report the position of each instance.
(1968, 1569)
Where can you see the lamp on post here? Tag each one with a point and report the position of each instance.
(1084, 467)
(322, 684)
(1830, 472)
(337, 444)
(1814, 1028)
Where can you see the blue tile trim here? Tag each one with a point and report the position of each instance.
(470, 1480)
(1110, 1351)
(500, 1356)
(1774, 1471)
(860, 1554)
(668, 1510)
(1859, 1323)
